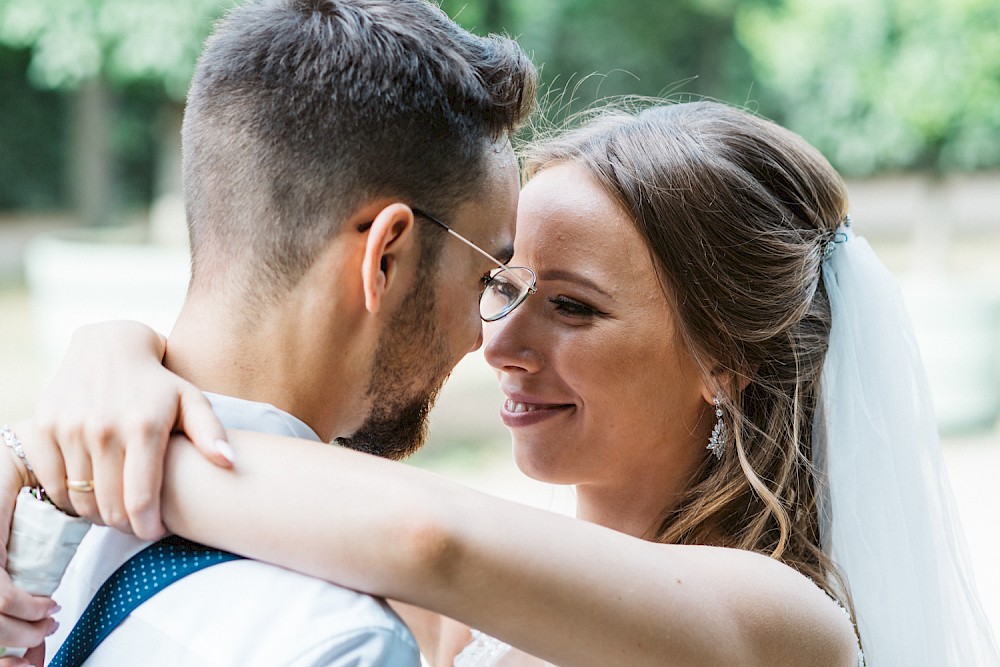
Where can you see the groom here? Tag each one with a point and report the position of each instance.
(324, 303)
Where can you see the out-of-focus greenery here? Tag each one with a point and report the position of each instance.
(875, 84)
(143, 53)
(32, 138)
(644, 47)
(120, 40)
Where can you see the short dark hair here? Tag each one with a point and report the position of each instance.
(300, 110)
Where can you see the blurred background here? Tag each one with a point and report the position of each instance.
(903, 96)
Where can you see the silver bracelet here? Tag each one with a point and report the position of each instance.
(11, 440)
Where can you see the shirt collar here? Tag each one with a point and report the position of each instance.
(244, 415)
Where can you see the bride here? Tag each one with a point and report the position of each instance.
(724, 373)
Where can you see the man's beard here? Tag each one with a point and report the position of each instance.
(411, 364)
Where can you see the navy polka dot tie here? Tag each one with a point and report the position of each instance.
(138, 579)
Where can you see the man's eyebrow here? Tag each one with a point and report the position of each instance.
(573, 277)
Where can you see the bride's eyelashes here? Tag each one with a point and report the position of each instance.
(574, 309)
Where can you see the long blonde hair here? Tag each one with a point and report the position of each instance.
(736, 212)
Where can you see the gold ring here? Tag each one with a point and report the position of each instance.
(80, 485)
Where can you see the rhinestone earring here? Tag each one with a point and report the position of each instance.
(717, 443)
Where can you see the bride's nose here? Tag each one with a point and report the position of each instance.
(511, 344)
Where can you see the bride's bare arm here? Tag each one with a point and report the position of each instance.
(567, 591)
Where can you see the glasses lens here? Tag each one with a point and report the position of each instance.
(505, 291)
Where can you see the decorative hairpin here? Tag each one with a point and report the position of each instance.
(838, 237)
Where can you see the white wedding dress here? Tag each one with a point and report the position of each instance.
(486, 651)
(482, 651)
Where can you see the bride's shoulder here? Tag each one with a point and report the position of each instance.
(786, 613)
(823, 623)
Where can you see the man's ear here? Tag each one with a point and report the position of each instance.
(390, 239)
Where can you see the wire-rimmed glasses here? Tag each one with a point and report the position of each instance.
(504, 289)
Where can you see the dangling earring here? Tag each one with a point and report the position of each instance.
(717, 443)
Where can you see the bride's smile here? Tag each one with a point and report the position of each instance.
(600, 390)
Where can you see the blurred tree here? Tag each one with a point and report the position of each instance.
(120, 40)
(883, 85)
(594, 49)
(32, 138)
(875, 84)
(128, 65)
(685, 46)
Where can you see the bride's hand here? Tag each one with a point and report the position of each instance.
(107, 416)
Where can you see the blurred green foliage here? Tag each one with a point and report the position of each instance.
(590, 49)
(875, 84)
(120, 40)
(144, 53)
(32, 138)
(886, 84)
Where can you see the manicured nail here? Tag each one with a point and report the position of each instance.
(225, 449)
(55, 626)
(55, 609)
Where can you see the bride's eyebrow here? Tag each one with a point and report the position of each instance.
(573, 277)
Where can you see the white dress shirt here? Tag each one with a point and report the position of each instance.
(242, 613)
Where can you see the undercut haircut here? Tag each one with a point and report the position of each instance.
(302, 110)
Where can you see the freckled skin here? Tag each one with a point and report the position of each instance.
(638, 420)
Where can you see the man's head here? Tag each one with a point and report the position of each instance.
(437, 321)
(304, 112)
(301, 110)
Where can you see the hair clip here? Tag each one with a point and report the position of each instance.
(838, 237)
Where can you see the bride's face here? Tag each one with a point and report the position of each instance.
(600, 388)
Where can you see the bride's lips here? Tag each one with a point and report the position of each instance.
(519, 411)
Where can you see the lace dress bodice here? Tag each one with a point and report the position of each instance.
(486, 651)
(482, 651)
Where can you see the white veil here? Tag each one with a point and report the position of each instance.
(886, 509)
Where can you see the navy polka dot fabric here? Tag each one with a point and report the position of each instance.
(138, 579)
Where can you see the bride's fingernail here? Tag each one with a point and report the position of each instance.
(226, 450)
(55, 626)
(55, 609)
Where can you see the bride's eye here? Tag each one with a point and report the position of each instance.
(573, 308)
